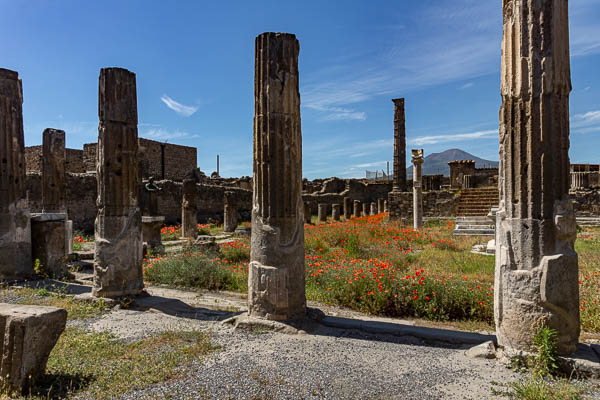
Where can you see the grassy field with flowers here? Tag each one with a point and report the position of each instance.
(382, 268)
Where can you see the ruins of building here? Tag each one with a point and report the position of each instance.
(585, 176)
(464, 175)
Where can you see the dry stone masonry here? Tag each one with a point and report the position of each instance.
(417, 160)
(29, 333)
(536, 266)
(15, 230)
(276, 287)
(118, 228)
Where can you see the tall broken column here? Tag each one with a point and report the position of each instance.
(417, 160)
(399, 146)
(276, 286)
(54, 176)
(118, 228)
(536, 266)
(189, 210)
(15, 229)
(230, 212)
(347, 208)
(399, 183)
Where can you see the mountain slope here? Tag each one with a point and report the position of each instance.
(437, 163)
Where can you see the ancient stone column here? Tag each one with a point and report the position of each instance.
(356, 208)
(189, 211)
(417, 160)
(15, 228)
(373, 210)
(380, 206)
(307, 213)
(276, 287)
(322, 213)
(335, 212)
(365, 209)
(230, 213)
(118, 269)
(53, 171)
(399, 146)
(386, 207)
(347, 208)
(536, 266)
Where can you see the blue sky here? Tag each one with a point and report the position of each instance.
(195, 74)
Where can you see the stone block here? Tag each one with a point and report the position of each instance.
(48, 242)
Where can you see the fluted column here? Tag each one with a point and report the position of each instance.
(15, 228)
(276, 286)
(417, 160)
(118, 228)
(536, 265)
(399, 146)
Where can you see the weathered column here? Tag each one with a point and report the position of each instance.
(230, 212)
(365, 209)
(307, 213)
(322, 213)
(189, 211)
(373, 210)
(15, 229)
(386, 207)
(536, 265)
(380, 206)
(276, 287)
(399, 146)
(356, 208)
(347, 208)
(53, 171)
(118, 269)
(335, 212)
(417, 160)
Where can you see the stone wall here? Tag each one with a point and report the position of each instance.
(435, 204)
(586, 202)
(74, 162)
(33, 159)
(82, 192)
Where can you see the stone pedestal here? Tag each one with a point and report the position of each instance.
(365, 209)
(322, 214)
(29, 333)
(189, 211)
(347, 208)
(15, 229)
(48, 238)
(230, 212)
(335, 212)
(307, 213)
(276, 281)
(373, 209)
(151, 237)
(356, 208)
(69, 236)
(380, 206)
(536, 277)
(118, 228)
(417, 160)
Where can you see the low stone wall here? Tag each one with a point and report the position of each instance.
(439, 203)
(586, 202)
(82, 191)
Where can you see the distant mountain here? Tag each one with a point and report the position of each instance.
(437, 163)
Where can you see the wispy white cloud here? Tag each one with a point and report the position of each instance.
(338, 113)
(586, 122)
(453, 137)
(467, 85)
(372, 165)
(179, 108)
(163, 134)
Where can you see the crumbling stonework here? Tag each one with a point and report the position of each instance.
(15, 229)
(276, 286)
(53, 171)
(417, 160)
(29, 333)
(536, 265)
(118, 230)
(230, 213)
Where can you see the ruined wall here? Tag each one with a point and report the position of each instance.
(74, 161)
(33, 159)
(586, 202)
(82, 192)
(435, 204)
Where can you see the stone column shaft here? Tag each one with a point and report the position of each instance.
(380, 206)
(356, 208)
(276, 281)
(536, 265)
(347, 208)
(118, 269)
(417, 160)
(365, 209)
(230, 212)
(399, 146)
(189, 211)
(322, 215)
(53, 171)
(373, 209)
(15, 228)
(335, 212)
(307, 213)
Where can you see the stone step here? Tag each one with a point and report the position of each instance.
(474, 232)
(469, 227)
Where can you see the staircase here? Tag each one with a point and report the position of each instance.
(473, 209)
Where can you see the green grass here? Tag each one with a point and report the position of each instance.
(100, 366)
(538, 388)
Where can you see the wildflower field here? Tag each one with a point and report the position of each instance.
(382, 268)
